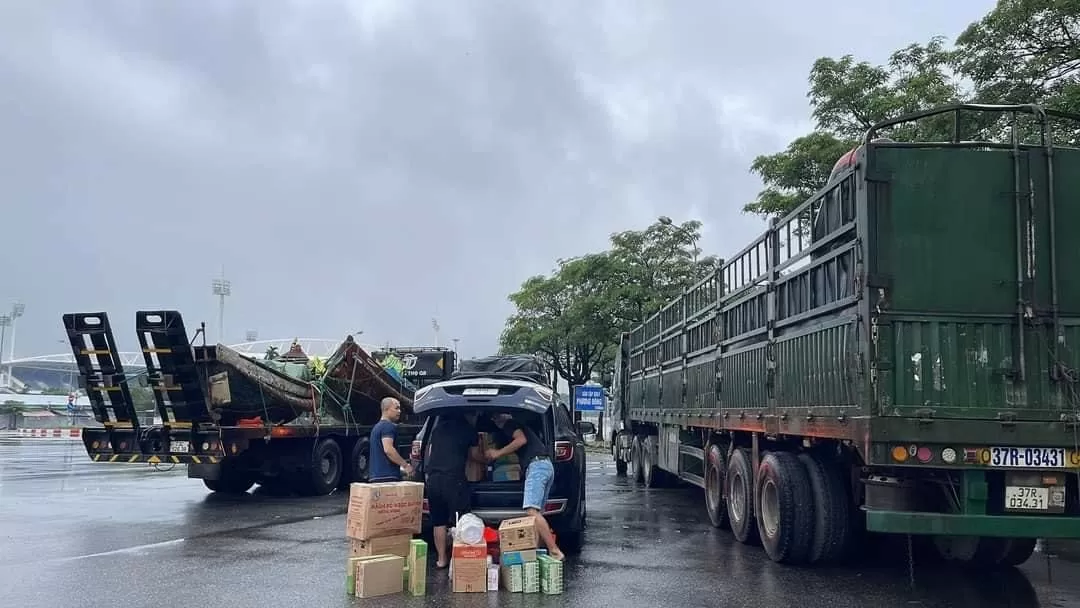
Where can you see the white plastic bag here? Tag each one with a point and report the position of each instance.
(469, 530)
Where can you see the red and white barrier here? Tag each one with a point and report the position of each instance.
(71, 433)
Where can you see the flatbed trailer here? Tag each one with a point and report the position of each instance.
(312, 455)
(897, 355)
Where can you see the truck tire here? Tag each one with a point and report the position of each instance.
(785, 524)
(739, 496)
(832, 511)
(636, 459)
(652, 475)
(972, 550)
(356, 470)
(322, 474)
(715, 471)
(620, 464)
(1018, 551)
(231, 480)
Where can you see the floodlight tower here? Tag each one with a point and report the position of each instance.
(5, 320)
(222, 288)
(17, 311)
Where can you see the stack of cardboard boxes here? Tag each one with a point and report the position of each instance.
(507, 468)
(522, 568)
(384, 558)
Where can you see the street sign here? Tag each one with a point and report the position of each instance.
(588, 398)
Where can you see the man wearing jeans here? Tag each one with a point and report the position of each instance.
(535, 458)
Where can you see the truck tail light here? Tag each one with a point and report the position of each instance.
(564, 450)
(414, 452)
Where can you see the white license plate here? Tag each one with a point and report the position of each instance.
(1024, 498)
(480, 391)
(1029, 458)
(179, 447)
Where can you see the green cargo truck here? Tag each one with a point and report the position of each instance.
(898, 355)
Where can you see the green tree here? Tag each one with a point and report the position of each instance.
(1022, 51)
(565, 318)
(573, 317)
(1026, 51)
(848, 97)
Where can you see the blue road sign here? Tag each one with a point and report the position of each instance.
(588, 398)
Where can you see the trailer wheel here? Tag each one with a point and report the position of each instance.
(715, 471)
(357, 467)
(636, 459)
(620, 464)
(230, 481)
(324, 471)
(832, 512)
(784, 522)
(739, 496)
(1018, 551)
(652, 475)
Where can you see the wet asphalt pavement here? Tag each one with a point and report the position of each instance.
(74, 533)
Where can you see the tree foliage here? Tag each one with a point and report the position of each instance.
(573, 317)
(1023, 51)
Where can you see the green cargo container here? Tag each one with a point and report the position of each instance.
(902, 352)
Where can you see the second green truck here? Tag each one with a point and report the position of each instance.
(900, 354)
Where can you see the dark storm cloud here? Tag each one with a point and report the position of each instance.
(370, 165)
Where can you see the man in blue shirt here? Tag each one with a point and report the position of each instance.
(384, 461)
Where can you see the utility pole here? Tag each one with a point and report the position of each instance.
(17, 311)
(222, 288)
(456, 340)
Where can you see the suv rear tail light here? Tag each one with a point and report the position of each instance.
(414, 453)
(564, 450)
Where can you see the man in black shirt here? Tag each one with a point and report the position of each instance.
(535, 458)
(453, 441)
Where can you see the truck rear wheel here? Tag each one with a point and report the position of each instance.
(636, 459)
(715, 470)
(323, 473)
(652, 475)
(620, 464)
(231, 480)
(1017, 551)
(832, 511)
(784, 522)
(739, 496)
(356, 470)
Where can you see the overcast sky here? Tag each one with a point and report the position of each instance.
(373, 164)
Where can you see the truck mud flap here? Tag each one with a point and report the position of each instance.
(100, 368)
(171, 369)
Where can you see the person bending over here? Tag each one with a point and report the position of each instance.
(453, 441)
(535, 458)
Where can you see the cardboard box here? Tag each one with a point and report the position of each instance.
(384, 509)
(530, 577)
(378, 575)
(469, 575)
(386, 545)
(467, 551)
(511, 577)
(506, 472)
(417, 565)
(518, 534)
(512, 558)
(551, 575)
